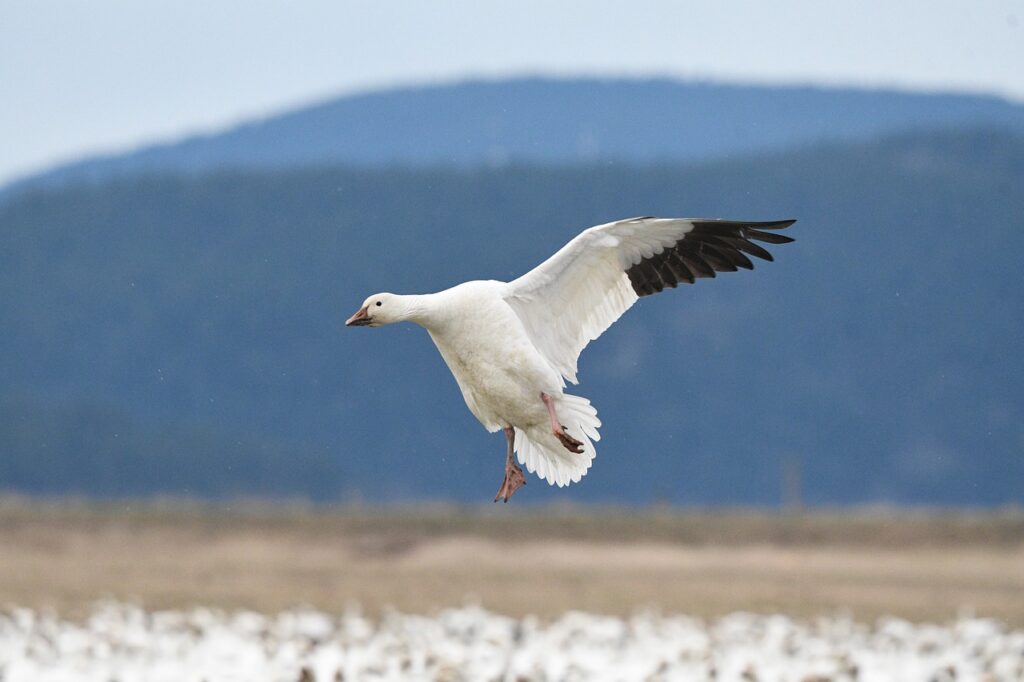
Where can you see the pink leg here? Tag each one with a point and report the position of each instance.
(513, 474)
(570, 443)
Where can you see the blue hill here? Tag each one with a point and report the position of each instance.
(553, 121)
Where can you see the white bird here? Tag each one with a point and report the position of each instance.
(512, 345)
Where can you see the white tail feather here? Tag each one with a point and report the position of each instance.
(541, 453)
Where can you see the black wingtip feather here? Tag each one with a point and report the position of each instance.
(711, 246)
(746, 246)
(772, 225)
(767, 237)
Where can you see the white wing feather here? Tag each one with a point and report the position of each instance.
(571, 298)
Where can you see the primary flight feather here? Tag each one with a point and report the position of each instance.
(512, 345)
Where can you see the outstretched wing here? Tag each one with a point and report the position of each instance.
(571, 298)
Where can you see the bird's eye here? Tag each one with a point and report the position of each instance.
(378, 304)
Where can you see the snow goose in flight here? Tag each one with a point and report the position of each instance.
(512, 345)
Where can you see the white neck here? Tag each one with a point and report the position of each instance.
(415, 308)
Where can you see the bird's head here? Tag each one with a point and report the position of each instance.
(378, 310)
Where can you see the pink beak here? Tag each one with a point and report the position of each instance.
(360, 319)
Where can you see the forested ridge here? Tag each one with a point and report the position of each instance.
(183, 333)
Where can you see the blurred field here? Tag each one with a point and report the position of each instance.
(512, 560)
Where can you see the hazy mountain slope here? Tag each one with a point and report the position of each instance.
(555, 121)
(882, 347)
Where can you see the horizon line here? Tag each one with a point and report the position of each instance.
(184, 133)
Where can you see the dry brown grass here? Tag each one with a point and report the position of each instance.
(923, 567)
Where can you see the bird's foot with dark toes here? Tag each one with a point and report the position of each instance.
(514, 479)
(570, 443)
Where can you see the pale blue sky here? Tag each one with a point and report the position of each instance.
(84, 76)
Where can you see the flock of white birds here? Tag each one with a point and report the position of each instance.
(124, 643)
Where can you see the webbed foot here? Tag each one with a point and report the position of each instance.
(570, 443)
(514, 478)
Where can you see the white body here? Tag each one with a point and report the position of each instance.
(501, 375)
(498, 368)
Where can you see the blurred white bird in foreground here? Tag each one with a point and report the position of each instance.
(512, 345)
